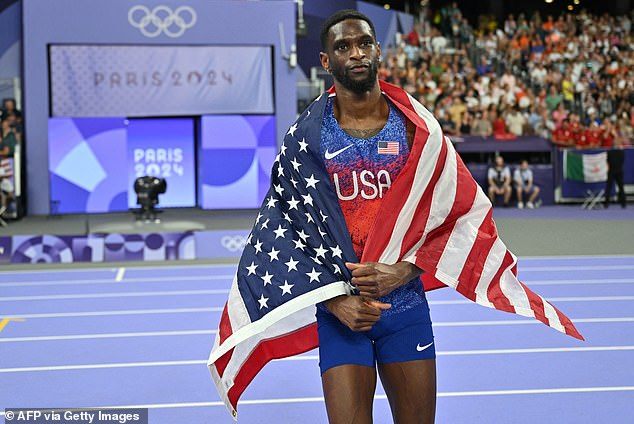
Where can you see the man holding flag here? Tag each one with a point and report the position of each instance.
(366, 195)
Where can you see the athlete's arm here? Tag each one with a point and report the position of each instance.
(373, 279)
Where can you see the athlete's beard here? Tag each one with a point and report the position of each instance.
(341, 74)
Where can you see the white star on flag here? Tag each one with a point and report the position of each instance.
(263, 301)
(252, 268)
(303, 146)
(314, 275)
(279, 232)
(311, 182)
(273, 254)
(267, 278)
(292, 129)
(291, 264)
(286, 288)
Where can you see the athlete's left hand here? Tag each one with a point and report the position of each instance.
(374, 279)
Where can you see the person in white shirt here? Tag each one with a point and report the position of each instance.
(523, 178)
(499, 178)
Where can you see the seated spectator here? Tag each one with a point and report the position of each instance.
(499, 177)
(465, 123)
(447, 125)
(515, 121)
(456, 110)
(482, 125)
(553, 99)
(562, 135)
(499, 128)
(523, 179)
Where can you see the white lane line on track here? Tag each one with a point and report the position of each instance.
(577, 268)
(149, 266)
(120, 274)
(244, 402)
(531, 283)
(229, 278)
(208, 332)
(523, 321)
(117, 313)
(225, 291)
(550, 299)
(202, 278)
(108, 336)
(315, 357)
(111, 295)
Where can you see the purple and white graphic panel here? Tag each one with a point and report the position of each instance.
(234, 160)
(163, 148)
(86, 157)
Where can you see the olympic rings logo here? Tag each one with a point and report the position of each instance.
(233, 243)
(162, 19)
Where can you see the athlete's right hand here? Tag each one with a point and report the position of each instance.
(358, 313)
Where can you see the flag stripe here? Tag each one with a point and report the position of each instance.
(311, 298)
(414, 234)
(290, 344)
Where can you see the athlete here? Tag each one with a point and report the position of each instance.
(365, 142)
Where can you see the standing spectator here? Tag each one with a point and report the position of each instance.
(523, 179)
(499, 177)
(9, 140)
(616, 158)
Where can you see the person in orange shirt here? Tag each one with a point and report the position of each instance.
(549, 24)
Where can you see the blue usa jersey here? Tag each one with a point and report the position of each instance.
(362, 170)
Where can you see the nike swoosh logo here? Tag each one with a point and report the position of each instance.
(421, 348)
(329, 155)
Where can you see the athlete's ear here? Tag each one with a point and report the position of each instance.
(325, 61)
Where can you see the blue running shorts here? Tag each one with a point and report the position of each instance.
(401, 337)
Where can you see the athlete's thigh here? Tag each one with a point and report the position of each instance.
(349, 392)
(411, 390)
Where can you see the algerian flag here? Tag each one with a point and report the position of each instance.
(586, 167)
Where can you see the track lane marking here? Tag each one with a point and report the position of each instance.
(208, 332)
(377, 397)
(314, 358)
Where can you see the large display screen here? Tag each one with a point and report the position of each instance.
(151, 80)
(235, 157)
(93, 162)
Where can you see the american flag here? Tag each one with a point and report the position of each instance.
(434, 216)
(6, 167)
(388, 147)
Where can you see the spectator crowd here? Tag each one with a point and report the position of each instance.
(568, 78)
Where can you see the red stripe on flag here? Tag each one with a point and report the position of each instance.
(224, 328)
(379, 235)
(472, 270)
(537, 305)
(294, 343)
(423, 209)
(437, 239)
(571, 330)
(222, 362)
(494, 292)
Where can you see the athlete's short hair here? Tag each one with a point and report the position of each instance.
(340, 16)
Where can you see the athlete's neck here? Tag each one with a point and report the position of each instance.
(355, 110)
